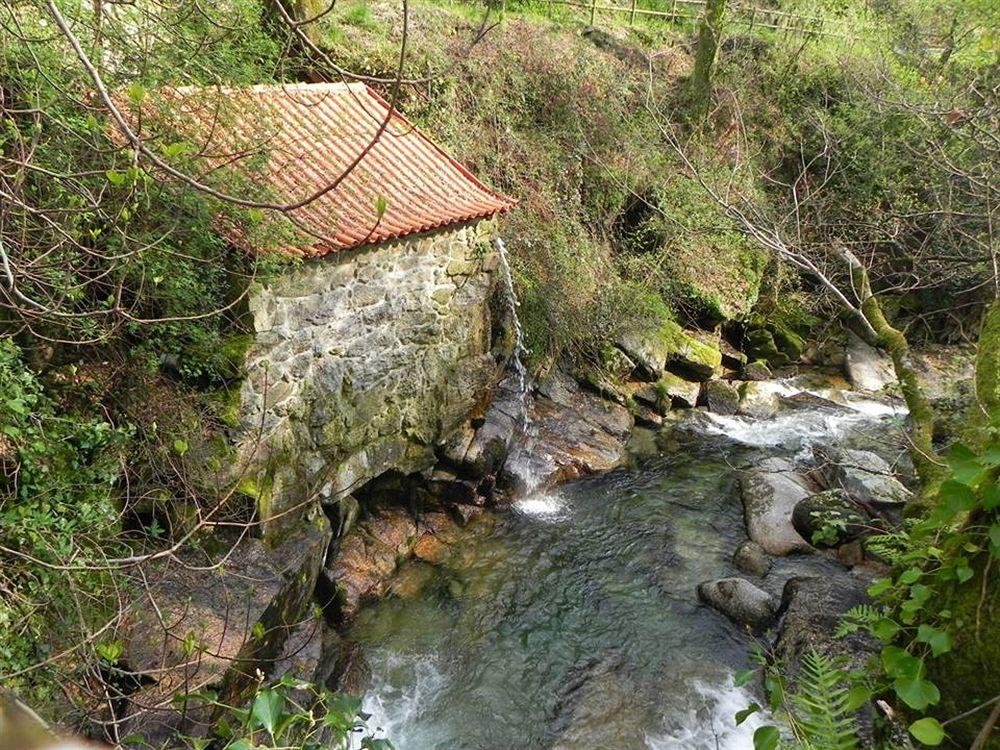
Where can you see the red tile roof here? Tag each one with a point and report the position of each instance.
(311, 133)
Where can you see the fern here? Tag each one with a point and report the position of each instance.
(893, 545)
(857, 618)
(822, 704)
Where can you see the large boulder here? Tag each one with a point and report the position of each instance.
(757, 400)
(866, 476)
(770, 493)
(678, 391)
(867, 368)
(720, 397)
(829, 518)
(205, 619)
(572, 432)
(740, 601)
(694, 355)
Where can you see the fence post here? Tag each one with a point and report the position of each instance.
(673, 10)
(593, 11)
(548, 7)
(631, 16)
(753, 16)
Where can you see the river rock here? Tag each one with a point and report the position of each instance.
(757, 400)
(680, 392)
(739, 600)
(770, 493)
(310, 652)
(867, 368)
(751, 558)
(238, 606)
(829, 518)
(572, 432)
(757, 370)
(367, 558)
(720, 397)
(865, 475)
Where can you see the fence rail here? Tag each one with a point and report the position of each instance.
(750, 16)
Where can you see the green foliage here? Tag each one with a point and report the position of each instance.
(56, 507)
(818, 709)
(288, 713)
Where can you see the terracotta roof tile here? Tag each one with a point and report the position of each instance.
(293, 140)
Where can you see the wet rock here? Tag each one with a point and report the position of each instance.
(353, 673)
(478, 452)
(682, 393)
(770, 493)
(645, 416)
(751, 558)
(810, 401)
(732, 358)
(757, 401)
(367, 558)
(829, 518)
(757, 370)
(412, 579)
(429, 549)
(867, 368)
(739, 600)
(866, 476)
(238, 605)
(573, 433)
(720, 397)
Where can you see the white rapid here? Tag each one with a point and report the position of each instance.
(798, 429)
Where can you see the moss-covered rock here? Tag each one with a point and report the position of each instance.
(969, 674)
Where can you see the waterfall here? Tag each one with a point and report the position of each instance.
(520, 350)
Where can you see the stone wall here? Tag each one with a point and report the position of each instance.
(363, 362)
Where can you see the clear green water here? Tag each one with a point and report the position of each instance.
(573, 624)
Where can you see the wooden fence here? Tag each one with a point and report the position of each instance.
(749, 16)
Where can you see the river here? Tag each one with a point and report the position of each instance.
(572, 621)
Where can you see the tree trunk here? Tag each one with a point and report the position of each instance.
(921, 418)
(709, 34)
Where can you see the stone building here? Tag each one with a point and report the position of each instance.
(377, 344)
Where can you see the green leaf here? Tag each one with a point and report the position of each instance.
(858, 696)
(916, 692)
(267, 708)
(766, 738)
(115, 178)
(742, 677)
(898, 663)
(746, 713)
(880, 587)
(938, 640)
(928, 731)
(991, 496)
(180, 446)
(136, 93)
(910, 576)
(381, 204)
(956, 497)
(885, 629)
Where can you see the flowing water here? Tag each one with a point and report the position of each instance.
(520, 350)
(573, 622)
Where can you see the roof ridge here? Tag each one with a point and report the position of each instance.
(332, 86)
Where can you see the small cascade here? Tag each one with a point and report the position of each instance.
(520, 350)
